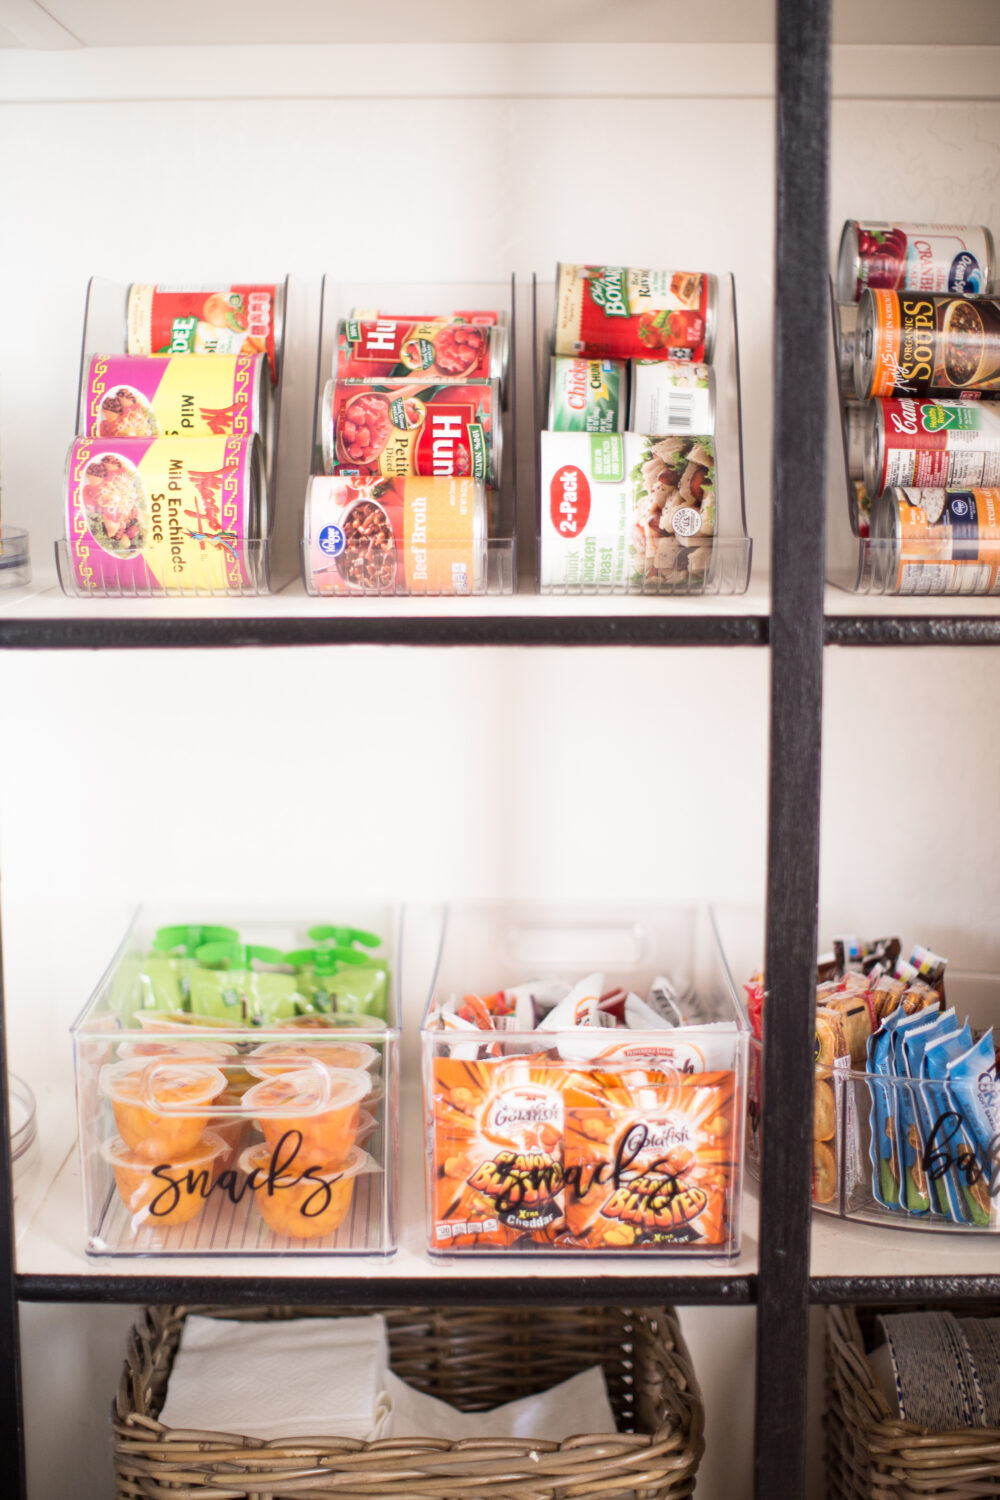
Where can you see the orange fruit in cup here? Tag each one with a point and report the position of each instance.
(169, 1193)
(160, 1104)
(303, 1207)
(323, 1105)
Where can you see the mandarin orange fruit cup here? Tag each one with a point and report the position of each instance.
(178, 1190)
(285, 1057)
(304, 1208)
(322, 1104)
(159, 1104)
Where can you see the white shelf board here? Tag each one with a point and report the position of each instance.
(51, 1243)
(838, 601)
(841, 1248)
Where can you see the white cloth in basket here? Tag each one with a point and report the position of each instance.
(577, 1405)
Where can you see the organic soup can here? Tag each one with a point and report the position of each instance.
(931, 444)
(440, 349)
(614, 312)
(400, 535)
(130, 396)
(916, 344)
(587, 395)
(171, 512)
(238, 319)
(670, 396)
(938, 540)
(404, 427)
(625, 511)
(915, 257)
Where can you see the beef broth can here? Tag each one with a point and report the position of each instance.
(614, 312)
(164, 512)
(587, 395)
(401, 535)
(915, 257)
(404, 427)
(240, 319)
(126, 396)
(931, 444)
(670, 396)
(386, 348)
(622, 511)
(916, 344)
(938, 541)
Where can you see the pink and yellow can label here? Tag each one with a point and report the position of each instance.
(167, 513)
(131, 396)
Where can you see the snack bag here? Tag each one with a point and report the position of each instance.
(915, 1196)
(948, 1145)
(917, 1120)
(972, 1078)
(887, 1169)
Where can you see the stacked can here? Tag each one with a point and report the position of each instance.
(628, 460)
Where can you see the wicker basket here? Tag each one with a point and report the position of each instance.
(472, 1359)
(872, 1454)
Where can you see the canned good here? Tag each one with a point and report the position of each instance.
(399, 427)
(440, 349)
(587, 395)
(846, 321)
(670, 396)
(915, 257)
(915, 345)
(480, 317)
(855, 430)
(860, 505)
(239, 319)
(930, 444)
(622, 510)
(176, 509)
(615, 312)
(126, 396)
(406, 534)
(938, 540)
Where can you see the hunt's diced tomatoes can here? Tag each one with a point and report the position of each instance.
(403, 348)
(240, 319)
(399, 535)
(403, 427)
(615, 312)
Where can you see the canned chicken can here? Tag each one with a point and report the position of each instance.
(587, 395)
(126, 396)
(931, 444)
(670, 396)
(938, 540)
(239, 319)
(614, 312)
(915, 257)
(173, 509)
(622, 510)
(406, 534)
(403, 427)
(910, 344)
(441, 349)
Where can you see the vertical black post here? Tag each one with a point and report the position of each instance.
(800, 383)
(11, 1420)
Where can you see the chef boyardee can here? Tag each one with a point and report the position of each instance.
(617, 312)
(401, 535)
(239, 319)
(931, 444)
(915, 257)
(169, 513)
(395, 427)
(933, 541)
(916, 344)
(670, 396)
(587, 395)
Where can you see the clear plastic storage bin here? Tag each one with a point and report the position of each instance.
(238, 1087)
(590, 1138)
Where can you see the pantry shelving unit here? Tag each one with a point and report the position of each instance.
(792, 1260)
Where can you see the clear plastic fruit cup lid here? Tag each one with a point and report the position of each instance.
(120, 1155)
(332, 1054)
(312, 1089)
(162, 1082)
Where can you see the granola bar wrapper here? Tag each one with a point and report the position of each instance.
(649, 1159)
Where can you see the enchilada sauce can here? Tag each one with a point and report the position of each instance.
(241, 319)
(438, 349)
(938, 540)
(405, 534)
(918, 344)
(165, 512)
(931, 444)
(615, 312)
(587, 395)
(135, 396)
(390, 428)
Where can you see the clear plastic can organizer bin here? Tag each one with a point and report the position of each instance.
(237, 1088)
(547, 1135)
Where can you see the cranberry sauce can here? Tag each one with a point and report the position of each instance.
(240, 319)
(614, 312)
(924, 344)
(936, 541)
(931, 444)
(387, 348)
(916, 257)
(405, 427)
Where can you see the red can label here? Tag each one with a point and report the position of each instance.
(397, 428)
(937, 445)
(399, 348)
(614, 312)
(203, 320)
